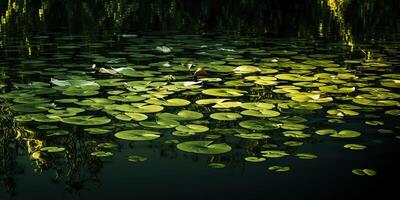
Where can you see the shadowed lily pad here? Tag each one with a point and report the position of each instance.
(86, 120)
(226, 116)
(137, 135)
(204, 147)
(260, 125)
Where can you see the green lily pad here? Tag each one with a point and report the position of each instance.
(306, 156)
(32, 107)
(137, 135)
(224, 92)
(254, 159)
(346, 134)
(97, 131)
(278, 168)
(169, 102)
(86, 120)
(101, 154)
(204, 147)
(215, 165)
(257, 106)
(52, 149)
(193, 128)
(274, 154)
(259, 125)
(253, 136)
(296, 134)
(363, 172)
(355, 146)
(226, 116)
(260, 113)
(160, 124)
(137, 116)
(136, 158)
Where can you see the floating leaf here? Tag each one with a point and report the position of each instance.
(204, 147)
(137, 135)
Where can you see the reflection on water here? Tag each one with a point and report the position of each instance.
(349, 19)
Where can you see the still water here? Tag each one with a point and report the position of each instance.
(209, 100)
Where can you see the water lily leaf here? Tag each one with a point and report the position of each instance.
(254, 159)
(257, 106)
(246, 69)
(68, 112)
(355, 146)
(253, 136)
(51, 149)
(161, 124)
(259, 125)
(296, 134)
(363, 172)
(204, 147)
(210, 101)
(101, 154)
(346, 134)
(183, 115)
(137, 116)
(306, 156)
(136, 158)
(279, 168)
(224, 92)
(226, 116)
(274, 154)
(97, 131)
(260, 113)
(227, 104)
(32, 107)
(127, 98)
(193, 128)
(295, 77)
(86, 120)
(216, 165)
(137, 135)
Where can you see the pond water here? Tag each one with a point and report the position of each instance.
(118, 112)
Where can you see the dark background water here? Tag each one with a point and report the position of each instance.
(359, 19)
(188, 177)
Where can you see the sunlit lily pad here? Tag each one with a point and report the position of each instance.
(137, 116)
(169, 102)
(194, 128)
(260, 113)
(257, 106)
(224, 92)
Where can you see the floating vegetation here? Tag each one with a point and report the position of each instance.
(245, 101)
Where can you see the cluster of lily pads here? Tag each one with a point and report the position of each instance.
(278, 97)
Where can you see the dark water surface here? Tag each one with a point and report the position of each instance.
(289, 84)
